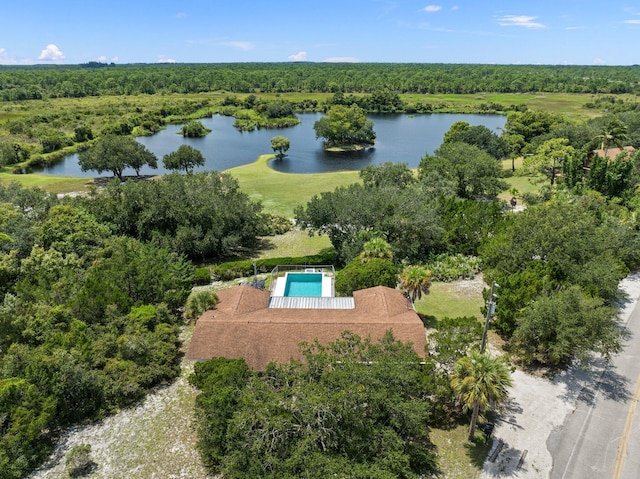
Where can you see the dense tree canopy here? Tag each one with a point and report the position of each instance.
(89, 321)
(184, 158)
(404, 217)
(562, 326)
(549, 254)
(361, 274)
(479, 136)
(356, 409)
(19, 83)
(475, 172)
(345, 127)
(531, 123)
(115, 153)
(549, 158)
(200, 215)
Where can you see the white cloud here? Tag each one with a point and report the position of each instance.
(181, 15)
(598, 61)
(341, 60)
(103, 59)
(519, 21)
(51, 54)
(632, 22)
(240, 45)
(298, 57)
(5, 58)
(455, 7)
(432, 8)
(165, 59)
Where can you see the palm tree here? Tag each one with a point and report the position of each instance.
(479, 380)
(613, 133)
(415, 280)
(376, 248)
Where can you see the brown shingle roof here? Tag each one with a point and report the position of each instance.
(612, 153)
(242, 325)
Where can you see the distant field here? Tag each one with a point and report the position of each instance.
(571, 105)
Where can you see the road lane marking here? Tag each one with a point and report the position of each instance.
(626, 433)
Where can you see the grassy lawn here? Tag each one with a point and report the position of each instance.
(54, 184)
(459, 298)
(280, 193)
(524, 184)
(458, 458)
(292, 243)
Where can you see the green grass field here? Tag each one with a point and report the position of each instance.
(291, 244)
(458, 458)
(280, 193)
(54, 184)
(570, 105)
(458, 298)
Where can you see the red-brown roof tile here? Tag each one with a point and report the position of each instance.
(243, 326)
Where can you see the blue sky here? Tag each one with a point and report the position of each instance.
(582, 32)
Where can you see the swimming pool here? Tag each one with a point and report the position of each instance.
(303, 284)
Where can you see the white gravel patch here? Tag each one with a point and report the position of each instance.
(154, 439)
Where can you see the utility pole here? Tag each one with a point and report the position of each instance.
(491, 309)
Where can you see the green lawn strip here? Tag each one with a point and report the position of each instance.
(292, 244)
(280, 192)
(524, 184)
(450, 300)
(54, 184)
(458, 458)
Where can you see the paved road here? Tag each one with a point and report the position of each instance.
(601, 438)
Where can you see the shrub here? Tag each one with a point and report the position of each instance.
(202, 276)
(446, 267)
(361, 275)
(194, 129)
(79, 462)
(275, 225)
(243, 268)
(199, 302)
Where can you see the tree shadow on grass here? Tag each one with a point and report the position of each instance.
(478, 451)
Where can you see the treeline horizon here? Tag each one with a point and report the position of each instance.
(33, 82)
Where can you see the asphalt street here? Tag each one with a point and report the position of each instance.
(600, 438)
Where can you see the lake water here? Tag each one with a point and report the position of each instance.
(400, 139)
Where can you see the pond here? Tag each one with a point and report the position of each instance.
(400, 139)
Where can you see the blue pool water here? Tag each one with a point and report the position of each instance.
(303, 284)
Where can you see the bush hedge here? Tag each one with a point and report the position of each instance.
(244, 268)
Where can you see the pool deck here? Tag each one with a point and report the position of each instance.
(327, 286)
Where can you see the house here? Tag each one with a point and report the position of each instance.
(252, 324)
(610, 153)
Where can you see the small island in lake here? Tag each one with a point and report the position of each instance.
(345, 128)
